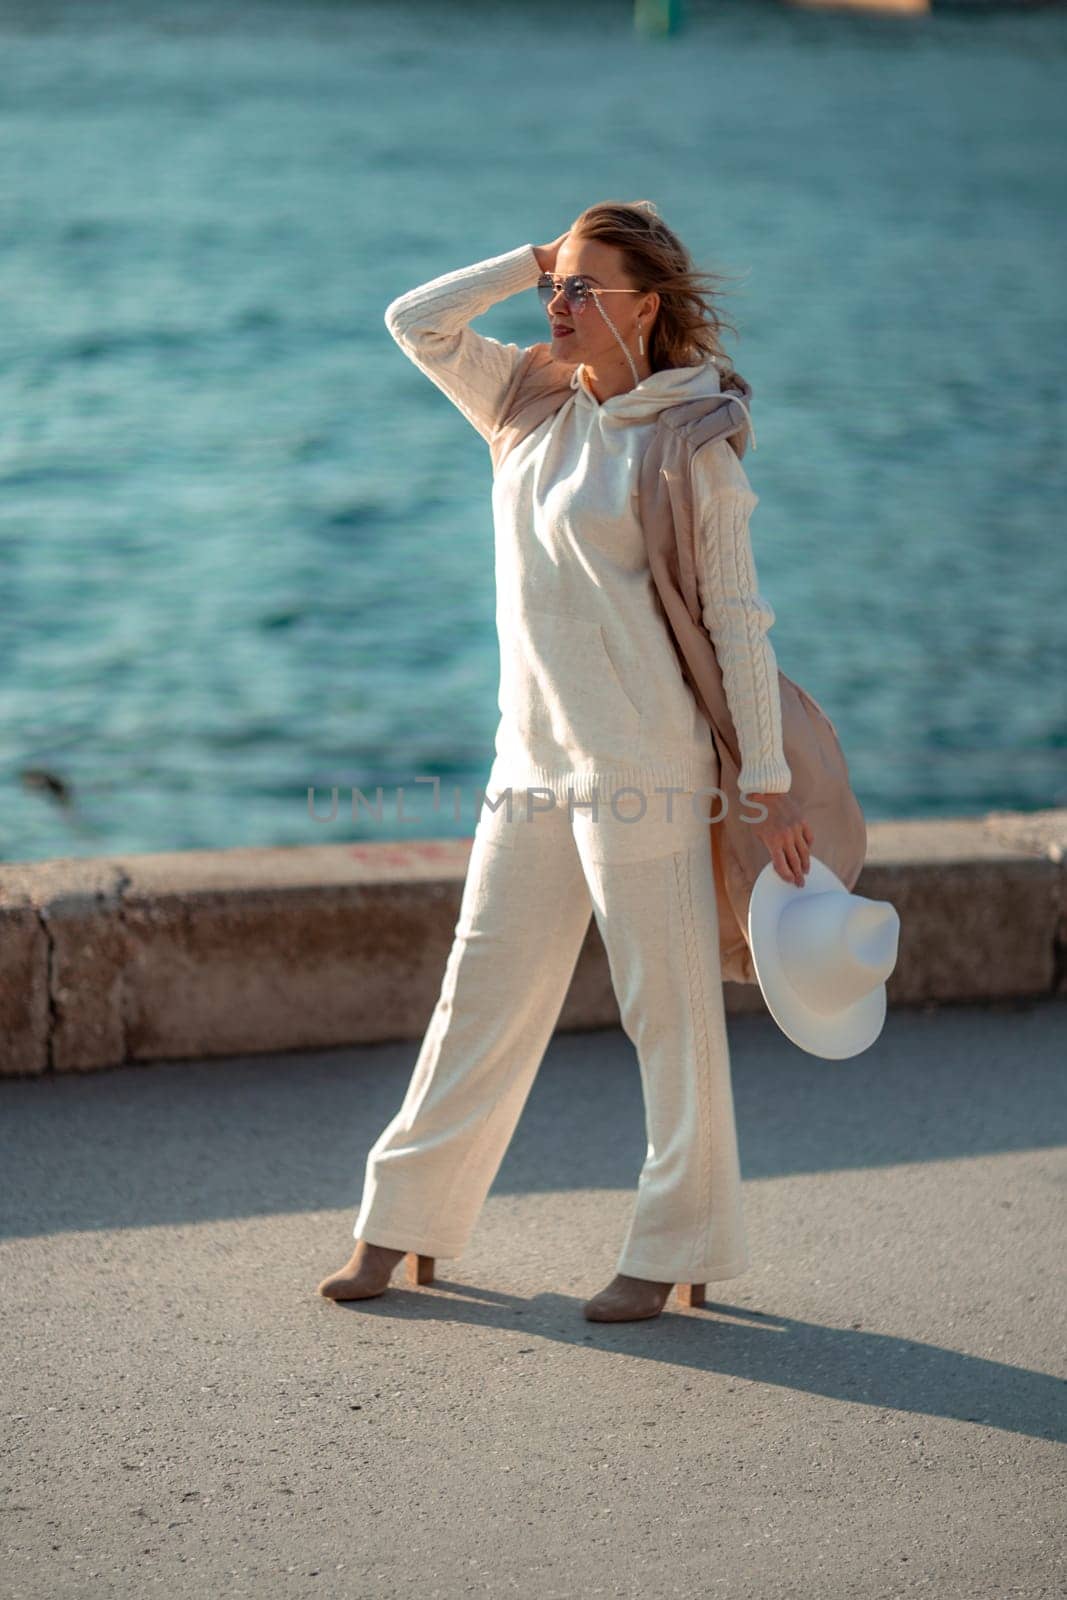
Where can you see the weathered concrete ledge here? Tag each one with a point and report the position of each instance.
(108, 961)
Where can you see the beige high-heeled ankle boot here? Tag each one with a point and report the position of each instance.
(369, 1270)
(627, 1299)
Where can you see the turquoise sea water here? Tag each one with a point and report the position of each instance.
(245, 546)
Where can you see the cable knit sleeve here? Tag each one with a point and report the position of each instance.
(738, 617)
(430, 324)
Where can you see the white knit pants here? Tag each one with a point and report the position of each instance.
(531, 883)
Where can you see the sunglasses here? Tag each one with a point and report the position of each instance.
(576, 290)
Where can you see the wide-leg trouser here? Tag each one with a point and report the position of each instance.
(532, 879)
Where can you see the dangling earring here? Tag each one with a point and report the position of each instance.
(640, 340)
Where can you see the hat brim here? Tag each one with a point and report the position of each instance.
(844, 1033)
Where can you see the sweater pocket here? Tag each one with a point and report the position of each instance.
(636, 709)
(562, 692)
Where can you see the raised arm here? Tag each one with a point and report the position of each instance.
(430, 324)
(737, 616)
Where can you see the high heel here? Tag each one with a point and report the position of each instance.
(690, 1294)
(420, 1268)
(629, 1299)
(367, 1274)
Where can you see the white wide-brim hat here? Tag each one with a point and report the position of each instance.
(822, 956)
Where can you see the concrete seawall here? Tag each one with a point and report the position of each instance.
(110, 961)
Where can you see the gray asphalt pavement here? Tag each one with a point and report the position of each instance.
(878, 1408)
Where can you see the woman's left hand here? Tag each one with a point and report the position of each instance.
(786, 835)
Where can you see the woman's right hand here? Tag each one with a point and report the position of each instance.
(546, 253)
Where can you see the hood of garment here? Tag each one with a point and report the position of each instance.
(673, 386)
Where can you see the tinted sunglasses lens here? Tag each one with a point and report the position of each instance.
(573, 289)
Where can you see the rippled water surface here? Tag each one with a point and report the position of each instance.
(245, 546)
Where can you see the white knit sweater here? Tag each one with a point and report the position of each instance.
(591, 693)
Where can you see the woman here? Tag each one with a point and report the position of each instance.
(595, 803)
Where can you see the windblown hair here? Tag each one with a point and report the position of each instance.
(688, 327)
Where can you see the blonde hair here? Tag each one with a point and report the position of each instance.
(688, 327)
